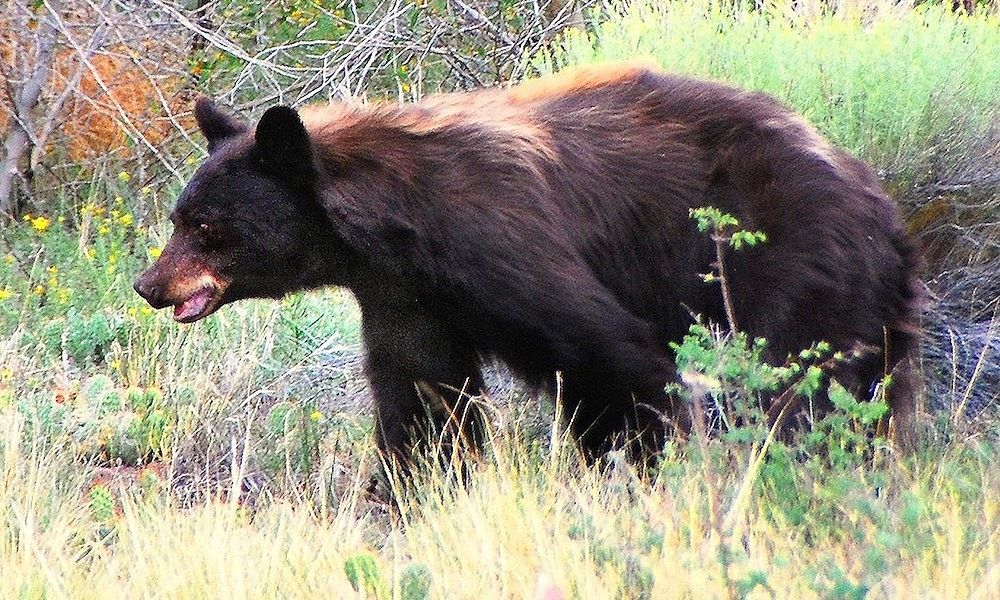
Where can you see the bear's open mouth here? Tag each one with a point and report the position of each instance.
(198, 305)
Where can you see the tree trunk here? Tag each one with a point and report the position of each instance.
(19, 137)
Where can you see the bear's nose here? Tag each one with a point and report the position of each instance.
(149, 291)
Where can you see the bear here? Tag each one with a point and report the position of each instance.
(548, 225)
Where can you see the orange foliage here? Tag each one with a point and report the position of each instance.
(7, 58)
(112, 90)
(93, 122)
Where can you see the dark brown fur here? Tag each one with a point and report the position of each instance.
(548, 225)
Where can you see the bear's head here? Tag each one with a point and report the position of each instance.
(249, 222)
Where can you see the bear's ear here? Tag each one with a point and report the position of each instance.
(214, 123)
(282, 143)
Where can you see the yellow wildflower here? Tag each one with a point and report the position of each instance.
(155, 252)
(124, 176)
(103, 230)
(39, 290)
(125, 219)
(40, 224)
(52, 269)
(9, 259)
(5, 294)
(146, 190)
(316, 415)
(146, 311)
(63, 296)
(91, 252)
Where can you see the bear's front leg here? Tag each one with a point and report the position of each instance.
(423, 381)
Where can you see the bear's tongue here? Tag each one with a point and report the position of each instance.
(193, 306)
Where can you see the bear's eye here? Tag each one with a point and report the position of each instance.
(208, 234)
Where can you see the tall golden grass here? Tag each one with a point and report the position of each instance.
(530, 522)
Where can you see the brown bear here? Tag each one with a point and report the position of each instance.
(546, 225)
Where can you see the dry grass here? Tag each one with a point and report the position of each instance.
(529, 520)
